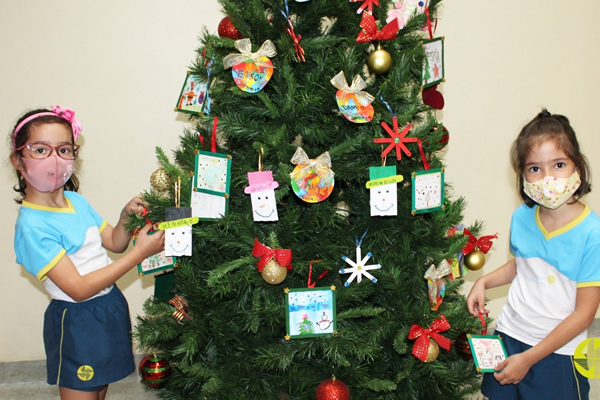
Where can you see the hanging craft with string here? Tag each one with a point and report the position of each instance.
(261, 188)
(383, 190)
(295, 38)
(359, 268)
(251, 71)
(353, 102)
(178, 227)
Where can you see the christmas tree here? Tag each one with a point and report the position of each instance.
(314, 110)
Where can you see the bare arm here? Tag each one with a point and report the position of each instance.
(117, 239)
(515, 367)
(501, 276)
(81, 287)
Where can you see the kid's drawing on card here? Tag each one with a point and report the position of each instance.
(212, 179)
(488, 351)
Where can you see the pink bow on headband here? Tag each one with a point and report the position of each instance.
(68, 115)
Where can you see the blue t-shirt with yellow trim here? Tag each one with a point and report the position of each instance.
(550, 268)
(43, 235)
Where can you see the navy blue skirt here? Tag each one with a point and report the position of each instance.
(88, 344)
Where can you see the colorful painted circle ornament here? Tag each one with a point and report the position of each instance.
(251, 76)
(312, 180)
(352, 109)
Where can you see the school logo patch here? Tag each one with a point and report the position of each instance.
(85, 372)
(587, 358)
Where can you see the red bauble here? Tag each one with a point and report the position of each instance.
(155, 371)
(463, 347)
(227, 30)
(332, 389)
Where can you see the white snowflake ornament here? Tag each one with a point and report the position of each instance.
(359, 267)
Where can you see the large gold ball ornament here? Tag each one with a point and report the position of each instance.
(274, 273)
(160, 180)
(379, 61)
(475, 260)
(433, 351)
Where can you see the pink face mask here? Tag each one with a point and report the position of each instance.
(48, 174)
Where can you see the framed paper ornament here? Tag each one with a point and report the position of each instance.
(383, 190)
(310, 312)
(433, 68)
(155, 263)
(488, 351)
(212, 179)
(428, 191)
(193, 98)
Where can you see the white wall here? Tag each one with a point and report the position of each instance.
(121, 64)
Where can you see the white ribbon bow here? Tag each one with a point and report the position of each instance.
(245, 47)
(321, 165)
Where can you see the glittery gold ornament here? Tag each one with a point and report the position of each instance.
(433, 351)
(274, 273)
(379, 61)
(475, 260)
(160, 180)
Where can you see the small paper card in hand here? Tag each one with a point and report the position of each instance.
(488, 351)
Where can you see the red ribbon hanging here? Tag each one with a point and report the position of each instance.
(484, 243)
(282, 256)
(213, 139)
(312, 284)
(369, 30)
(422, 335)
(296, 39)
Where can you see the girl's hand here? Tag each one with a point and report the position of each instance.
(476, 299)
(149, 244)
(512, 370)
(134, 206)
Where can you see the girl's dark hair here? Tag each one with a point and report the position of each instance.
(546, 126)
(22, 137)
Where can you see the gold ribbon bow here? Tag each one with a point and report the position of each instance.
(245, 48)
(321, 165)
(357, 86)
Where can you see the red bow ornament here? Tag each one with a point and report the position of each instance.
(484, 243)
(282, 256)
(422, 335)
(369, 30)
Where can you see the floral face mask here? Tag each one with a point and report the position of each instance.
(552, 192)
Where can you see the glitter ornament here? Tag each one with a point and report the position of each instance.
(160, 180)
(332, 389)
(227, 30)
(273, 273)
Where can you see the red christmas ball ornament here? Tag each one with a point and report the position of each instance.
(332, 389)
(227, 30)
(155, 371)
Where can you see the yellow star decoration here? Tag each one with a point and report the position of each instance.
(287, 337)
(286, 290)
(332, 287)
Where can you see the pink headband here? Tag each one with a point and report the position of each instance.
(64, 113)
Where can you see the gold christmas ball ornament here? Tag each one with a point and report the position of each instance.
(379, 61)
(160, 180)
(433, 351)
(475, 260)
(274, 273)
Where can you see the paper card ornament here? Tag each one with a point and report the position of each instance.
(155, 263)
(193, 97)
(428, 191)
(405, 9)
(178, 231)
(383, 190)
(251, 71)
(312, 179)
(310, 312)
(433, 69)
(261, 188)
(212, 179)
(353, 102)
(488, 351)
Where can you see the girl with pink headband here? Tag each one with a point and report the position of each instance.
(62, 241)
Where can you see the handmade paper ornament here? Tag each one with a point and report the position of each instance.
(178, 231)
(251, 71)
(433, 68)
(424, 337)
(261, 188)
(154, 371)
(310, 312)
(404, 10)
(396, 140)
(227, 30)
(383, 190)
(476, 249)
(463, 347)
(436, 284)
(359, 268)
(273, 263)
(353, 102)
(332, 389)
(312, 179)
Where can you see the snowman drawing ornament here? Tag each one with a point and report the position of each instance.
(383, 189)
(261, 188)
(178, 231)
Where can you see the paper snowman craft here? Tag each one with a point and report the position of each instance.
(261, 188)
(383, 188)
(178, 231)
